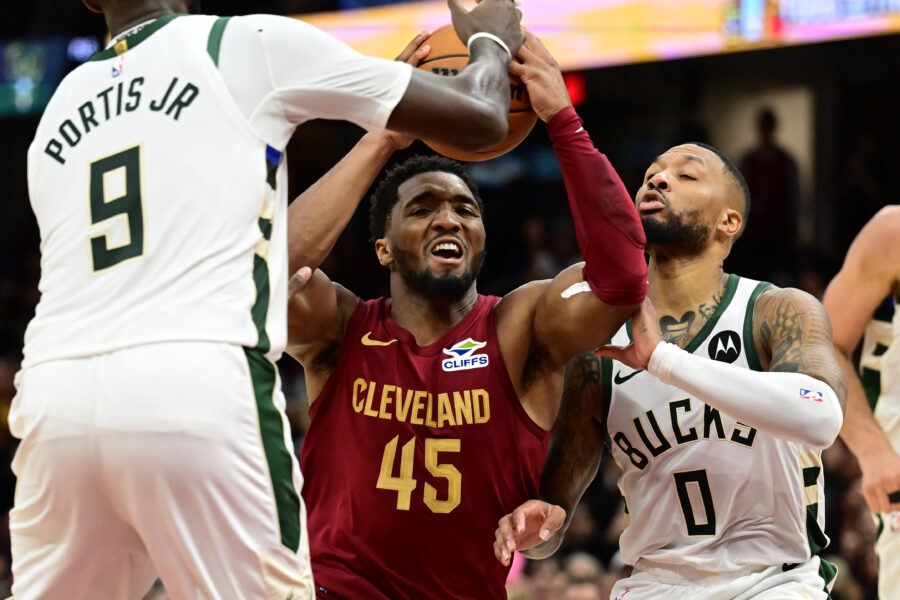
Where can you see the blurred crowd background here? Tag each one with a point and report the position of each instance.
(811, 126)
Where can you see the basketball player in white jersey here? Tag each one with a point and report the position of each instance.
(715, 410)
(855, 301)
(153, 433)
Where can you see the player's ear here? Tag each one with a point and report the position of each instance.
(93, 5)
(383, 252)
(730, 222)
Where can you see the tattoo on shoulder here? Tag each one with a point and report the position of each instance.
(794, 327)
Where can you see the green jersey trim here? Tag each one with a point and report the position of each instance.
(606, 374)
(271, 430)
(129, 42)
(730, 289)
(749, 344)
(214, 44)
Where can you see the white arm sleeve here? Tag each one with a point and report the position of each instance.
(791, 406)
(282, 72)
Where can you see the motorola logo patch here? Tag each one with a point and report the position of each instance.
(725, 346)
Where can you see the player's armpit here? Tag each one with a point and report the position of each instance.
(792, 329)
(570, 319)
(576, 444)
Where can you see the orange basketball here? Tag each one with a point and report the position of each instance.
(447, 57)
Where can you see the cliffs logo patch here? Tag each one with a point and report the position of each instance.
(725, 346)
(464, 357)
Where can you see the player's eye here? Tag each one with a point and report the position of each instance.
(418, 211)
(465, 211)
(689, 177)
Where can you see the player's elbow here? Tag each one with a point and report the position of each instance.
(485, 126)
(822, 431)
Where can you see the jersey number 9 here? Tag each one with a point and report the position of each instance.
(115, 192)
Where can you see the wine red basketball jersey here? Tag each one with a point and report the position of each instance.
(412, 456)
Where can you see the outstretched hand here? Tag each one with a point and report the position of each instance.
(645, 336)
(529, 525)
(541, 74)
(498, 17)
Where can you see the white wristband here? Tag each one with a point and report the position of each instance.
(490, 36)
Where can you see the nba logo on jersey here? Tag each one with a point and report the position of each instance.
(813, 395)
(118, 66)
(464, 357)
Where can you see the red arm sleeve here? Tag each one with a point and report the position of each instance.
(609, 231)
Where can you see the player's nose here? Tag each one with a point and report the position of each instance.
(446, 219)
(658, 182)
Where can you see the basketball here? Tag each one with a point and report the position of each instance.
(447, 57)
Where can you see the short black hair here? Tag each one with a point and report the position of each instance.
(385, 196)
(736, 175)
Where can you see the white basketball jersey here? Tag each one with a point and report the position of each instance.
(162, 211)
(703, 490)
(880, 369)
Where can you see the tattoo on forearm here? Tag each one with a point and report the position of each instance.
(577, 442)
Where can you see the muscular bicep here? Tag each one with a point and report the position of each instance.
(570, 319)
(794, 333)
(577, 440)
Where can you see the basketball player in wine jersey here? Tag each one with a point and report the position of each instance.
(431, 409)
(716, 412)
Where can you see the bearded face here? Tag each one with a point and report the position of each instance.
(447, 285)
(681, 230)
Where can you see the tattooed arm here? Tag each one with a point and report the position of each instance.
(792, 330)
(536, 528)
(801, 396)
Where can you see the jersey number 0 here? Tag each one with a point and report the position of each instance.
(115, 192)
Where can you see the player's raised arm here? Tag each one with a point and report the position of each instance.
(468, 111)
(317, 217)
(536, 528)
(584, 306)
(798, 397)
(866, 278)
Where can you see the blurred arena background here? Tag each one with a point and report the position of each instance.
(801, 92)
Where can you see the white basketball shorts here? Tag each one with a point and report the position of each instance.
(167, 459)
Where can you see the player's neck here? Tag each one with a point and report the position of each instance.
(428, 318)
(122, 16)
(682, 284)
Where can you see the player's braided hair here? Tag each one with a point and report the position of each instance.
(385, 196)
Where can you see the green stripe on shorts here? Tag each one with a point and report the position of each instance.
(287, 501)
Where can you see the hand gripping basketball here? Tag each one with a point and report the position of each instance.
(497, 17)
(447, 57)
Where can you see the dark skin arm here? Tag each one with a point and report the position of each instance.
(792, 334)
(468, 111)
(536, 528)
